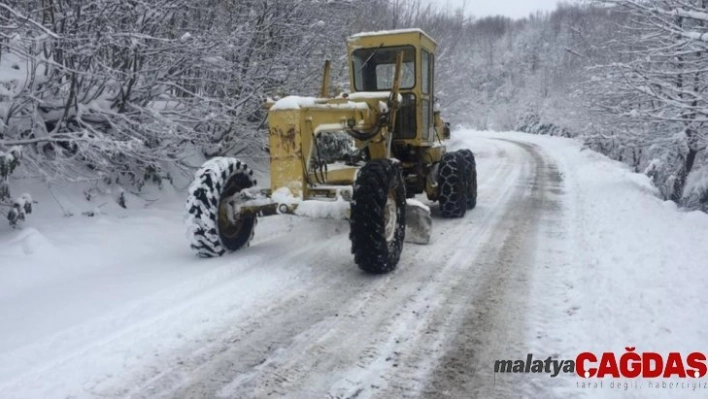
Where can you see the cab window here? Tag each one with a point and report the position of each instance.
(374, 68)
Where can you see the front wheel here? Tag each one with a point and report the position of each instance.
(212, 227)
(378, 216)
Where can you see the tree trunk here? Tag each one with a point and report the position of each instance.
(680, 182)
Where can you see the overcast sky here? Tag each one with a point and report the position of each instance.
(509, 8)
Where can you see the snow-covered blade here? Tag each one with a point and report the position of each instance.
(419, 223)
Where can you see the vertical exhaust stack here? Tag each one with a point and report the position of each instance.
(324, 92)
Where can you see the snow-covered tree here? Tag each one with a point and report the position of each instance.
(664, 85)
(129, 93)
(125, 92)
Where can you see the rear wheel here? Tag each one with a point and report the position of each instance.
(471, 175)
(212, 228)
(378, 216)
(452, 184)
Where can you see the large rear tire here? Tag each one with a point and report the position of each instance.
(212, 233)
(378, 216)
(453, 185)
(471, 175)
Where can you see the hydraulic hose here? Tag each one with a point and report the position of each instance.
(365, 136)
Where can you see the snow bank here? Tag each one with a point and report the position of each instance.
(87, 298)
(619, 268)
(697, 188)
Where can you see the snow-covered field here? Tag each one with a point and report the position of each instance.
(566, 252)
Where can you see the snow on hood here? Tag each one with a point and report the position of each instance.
(297, 102)
(293, 102)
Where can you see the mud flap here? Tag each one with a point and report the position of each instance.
(419, 223)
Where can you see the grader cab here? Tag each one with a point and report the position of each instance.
(361, 156)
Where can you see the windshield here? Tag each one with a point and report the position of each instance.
(374, 68)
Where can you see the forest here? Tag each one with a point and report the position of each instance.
(123, 94)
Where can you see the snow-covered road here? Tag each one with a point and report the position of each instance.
(565, 252)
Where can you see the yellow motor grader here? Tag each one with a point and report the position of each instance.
(393, 149)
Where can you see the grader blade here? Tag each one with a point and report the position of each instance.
(419, 223)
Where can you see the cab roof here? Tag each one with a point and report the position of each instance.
(366, 39)
(392, 32)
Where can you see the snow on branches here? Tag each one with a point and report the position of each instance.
(128, 93)
(664, 85)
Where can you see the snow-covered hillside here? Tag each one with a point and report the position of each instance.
(566, 252)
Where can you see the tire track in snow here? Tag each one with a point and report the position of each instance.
(366, 345)
(494, 323)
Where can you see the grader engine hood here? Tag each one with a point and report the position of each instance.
(295, 123)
